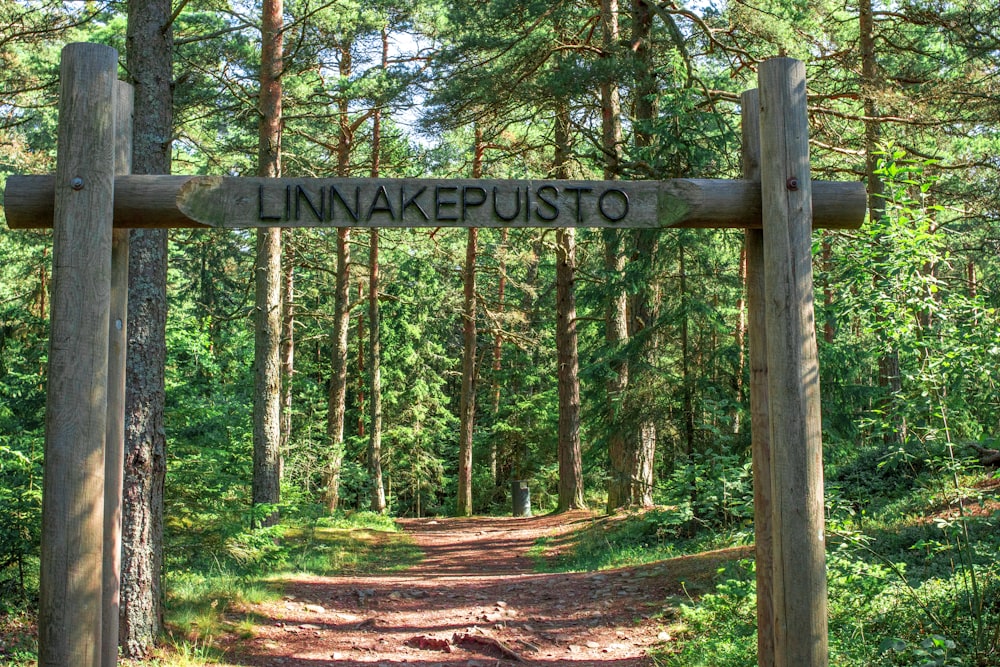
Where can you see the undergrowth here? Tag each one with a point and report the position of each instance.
(204, 604)
(629, 539)
(212, 594)
(913, 579)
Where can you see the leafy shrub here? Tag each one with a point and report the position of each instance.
(260, 548)
(710, 490)
(933, 651)
(20, 520)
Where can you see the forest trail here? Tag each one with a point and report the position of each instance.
(474, 601)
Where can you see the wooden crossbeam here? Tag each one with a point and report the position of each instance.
(231, 202)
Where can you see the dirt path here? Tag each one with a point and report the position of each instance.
(473, 602)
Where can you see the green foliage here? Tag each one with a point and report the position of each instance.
(919, 284)
(205, 603)
(20, 520)
(632, 539)
(710, 490)
(944, 337)
(725, 619)
(198, 603)
(358, 544)
(934, 651)
(22, 407)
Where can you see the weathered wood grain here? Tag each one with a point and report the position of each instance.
(799, 589)
(69, 615)
(759, 417)
(211, 201)
(114, 449)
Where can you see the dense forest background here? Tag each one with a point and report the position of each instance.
(461, 327)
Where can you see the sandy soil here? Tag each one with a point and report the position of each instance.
(473, 602)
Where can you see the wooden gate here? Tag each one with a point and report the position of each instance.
(91, 201)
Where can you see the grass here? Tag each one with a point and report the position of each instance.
(911, 584)
(628, 539)
(213, 599)
(339, 547)
(18, 641)
(201, 607)
(205, 607)
(913, 576)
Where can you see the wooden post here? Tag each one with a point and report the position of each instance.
(114, 453)
(793, 369)
(759, 418)
(69, 613)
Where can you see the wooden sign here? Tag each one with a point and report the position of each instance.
(84, 200)
(229, 202)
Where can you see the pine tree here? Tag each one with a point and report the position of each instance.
(149, 53)
(268, 280)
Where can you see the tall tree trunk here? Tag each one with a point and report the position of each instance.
(870, 87)
(341, 308)
(626, 479)
(479, 151)
(267, 269)
(149, 54)
(645, 76)
(338, 377)
(641, 441)
(498, 351)
(888, 376)
(740, 339)
(570, 459)
(467, 403)
(361, 362)
(378, 503)
(287, 341)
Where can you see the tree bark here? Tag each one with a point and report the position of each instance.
(341, 309)
(149, 54)
(641, 440)
(378, 502)
(467, 404)
(621, 471)
(287, 341)
(361, 362)
(267, 270)
(477, 172)
(338, 377)
(570, 459)
(467, 401)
